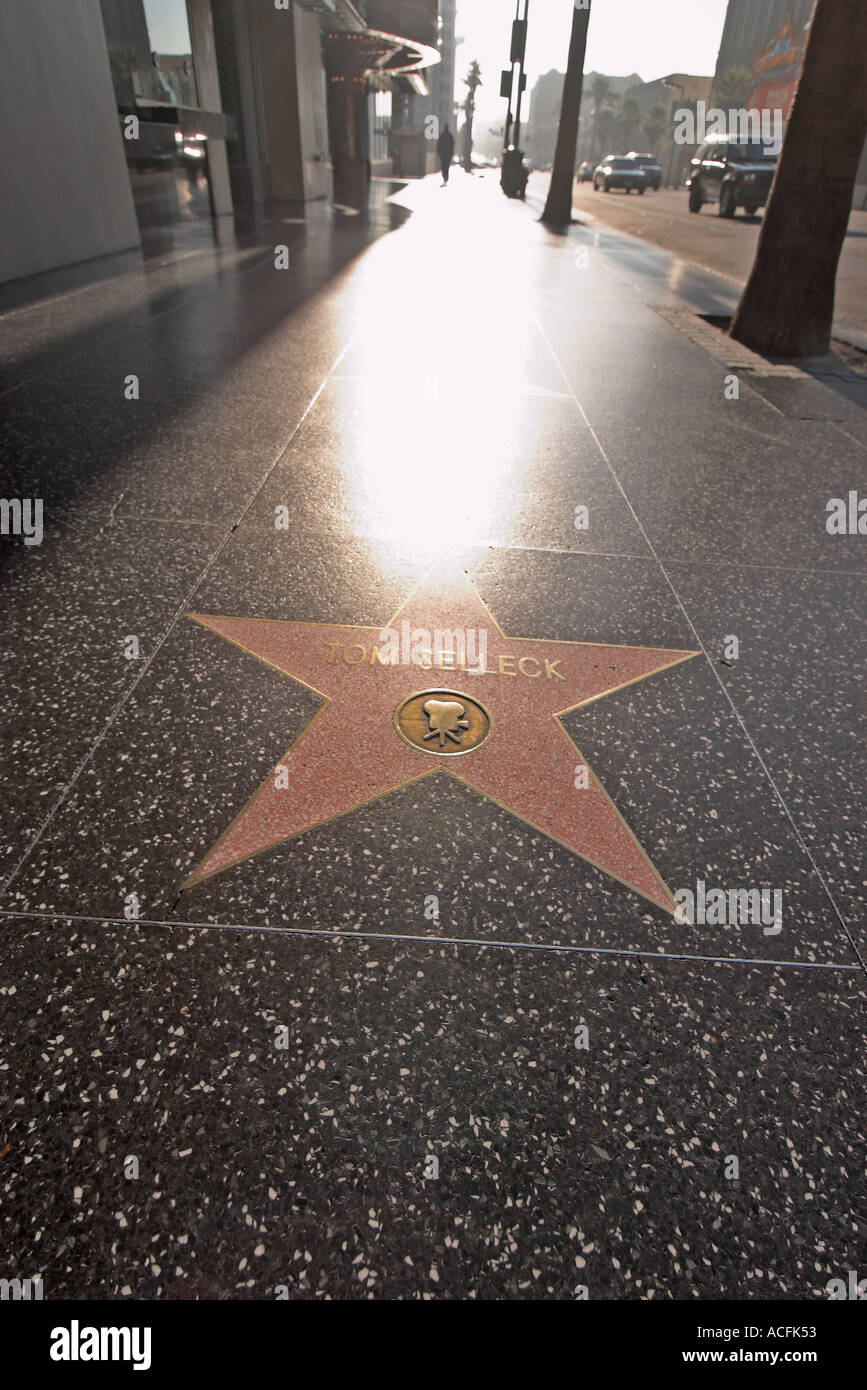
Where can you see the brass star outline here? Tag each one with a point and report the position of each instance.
(317, 764)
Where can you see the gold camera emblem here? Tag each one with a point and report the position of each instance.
(443, 722)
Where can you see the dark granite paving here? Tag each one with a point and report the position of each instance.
(304, 1165)
(304, 448)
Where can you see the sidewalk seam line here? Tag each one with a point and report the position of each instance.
(179, 612)
(762, 764)
(345, 935)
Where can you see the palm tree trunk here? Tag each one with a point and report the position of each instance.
(787, 307)
(558, 207)
(468, 140)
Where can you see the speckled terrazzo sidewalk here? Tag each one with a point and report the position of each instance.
(402, 1024)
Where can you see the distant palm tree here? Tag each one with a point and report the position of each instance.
(630, 114)
(655, 123)
(603, 99)
(731, 88)
(606, 127)
(787, 307)
(473, 81)
(600, 88)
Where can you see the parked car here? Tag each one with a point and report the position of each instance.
(732, 174)
(585, 171)
(652, 170)
(618, 171)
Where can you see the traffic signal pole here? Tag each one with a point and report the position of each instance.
(513, 179)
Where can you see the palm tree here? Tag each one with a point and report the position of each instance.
(607, 123)
(731, 88)
(558, 205)
(787, 307)
(630, 114)
(473, 80)
(655, 123)
(600, 90)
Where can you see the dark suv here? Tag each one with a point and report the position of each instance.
(652, 170)
(733, 173)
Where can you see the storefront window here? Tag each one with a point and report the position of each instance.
(379, 123)
(150, 52)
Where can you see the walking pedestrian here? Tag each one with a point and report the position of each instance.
(446, 151)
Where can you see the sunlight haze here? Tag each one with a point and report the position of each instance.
(625, 36)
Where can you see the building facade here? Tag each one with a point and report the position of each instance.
(763, 37)
(441, 78)
(56, 172)
(767, 39)
(545, 100)
(429, 112)
(675, 90)
(120, 118)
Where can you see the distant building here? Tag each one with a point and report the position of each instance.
(592, 132)
(438, 101)
(540, 132)
(545, 101)
(766, 39)
(676, 89)
(441, 79)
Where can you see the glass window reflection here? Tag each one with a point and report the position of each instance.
(150, 52)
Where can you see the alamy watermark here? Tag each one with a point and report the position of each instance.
(22, 516)
(77, 1343)
(753, 125)
(444, 649)
(21, 1290)
(847, 516)
(732, 907)
(855, 1288)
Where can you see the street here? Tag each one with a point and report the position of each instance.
(726, 247)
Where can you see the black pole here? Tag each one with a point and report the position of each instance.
(513, 175)
(511, 87)
(520, 79)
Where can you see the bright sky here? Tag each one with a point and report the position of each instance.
(167, 25)
(650, 37)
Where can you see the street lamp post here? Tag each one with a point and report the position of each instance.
(507, 84)
(513, 179)
(523, 43)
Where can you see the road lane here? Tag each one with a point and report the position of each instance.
(726, 247)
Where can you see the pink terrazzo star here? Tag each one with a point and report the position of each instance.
(350, 753)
